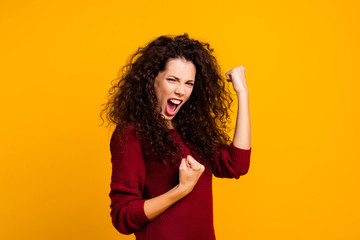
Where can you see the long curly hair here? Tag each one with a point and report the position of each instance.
(202, 121)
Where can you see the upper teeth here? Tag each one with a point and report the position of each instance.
(175, 101)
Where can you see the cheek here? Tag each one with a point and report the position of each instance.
(162, 94)
(190, 92)
(159, 91)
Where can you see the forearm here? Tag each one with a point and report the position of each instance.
(155, 206)
(242, 135)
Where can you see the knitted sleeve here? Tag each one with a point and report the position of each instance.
(127, 183)
(231, 162)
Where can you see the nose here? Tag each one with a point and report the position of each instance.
(180, 91)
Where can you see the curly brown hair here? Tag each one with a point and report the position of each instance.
(202, 122)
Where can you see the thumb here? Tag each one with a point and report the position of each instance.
(228, 76)
(183, 163)
(193, 163)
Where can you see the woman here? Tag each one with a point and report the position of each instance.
(170, 107)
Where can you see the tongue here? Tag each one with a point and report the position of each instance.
(170, 108)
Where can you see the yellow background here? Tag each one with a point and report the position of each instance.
(302, 67)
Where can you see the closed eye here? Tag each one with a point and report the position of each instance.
(171, 79)
(191, 84)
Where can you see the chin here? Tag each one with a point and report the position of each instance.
(169, 118)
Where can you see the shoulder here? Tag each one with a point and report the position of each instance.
(124, 131)
(125, 137)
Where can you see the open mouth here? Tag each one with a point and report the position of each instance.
(172, 106)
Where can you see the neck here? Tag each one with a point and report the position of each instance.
(170, 124)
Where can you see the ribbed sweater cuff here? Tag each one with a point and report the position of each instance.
(239, 152)
(139, 213)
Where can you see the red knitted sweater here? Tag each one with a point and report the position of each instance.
(135, 179)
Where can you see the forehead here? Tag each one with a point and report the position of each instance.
(180, 68)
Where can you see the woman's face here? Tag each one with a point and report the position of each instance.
(174, 85)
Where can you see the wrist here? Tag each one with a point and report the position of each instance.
(242, 94)
(181, 190)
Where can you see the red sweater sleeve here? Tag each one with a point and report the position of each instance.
(127, 183)
(231, 162)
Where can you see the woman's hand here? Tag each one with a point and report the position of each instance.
(190, 171)
(238, 79)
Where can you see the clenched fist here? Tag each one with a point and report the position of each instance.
(238, 79)
(190, 171)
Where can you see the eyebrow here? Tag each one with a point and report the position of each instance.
(179, 78)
